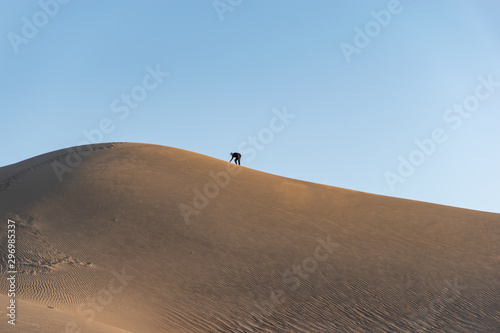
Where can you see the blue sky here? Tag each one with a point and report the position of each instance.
(232, 65)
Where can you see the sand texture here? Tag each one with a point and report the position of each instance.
(145, 238)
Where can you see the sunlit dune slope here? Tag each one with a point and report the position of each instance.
(146, 238)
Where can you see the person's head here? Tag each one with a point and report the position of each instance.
(231, 154)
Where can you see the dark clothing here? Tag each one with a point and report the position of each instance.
(237, 158)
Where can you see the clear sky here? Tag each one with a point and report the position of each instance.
(355, 83)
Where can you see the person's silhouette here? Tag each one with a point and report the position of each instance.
(237, 158)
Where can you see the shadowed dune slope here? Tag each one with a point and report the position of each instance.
(147, 238)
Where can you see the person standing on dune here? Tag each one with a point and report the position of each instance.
(237, 158)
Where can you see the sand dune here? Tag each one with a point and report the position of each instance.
(145, 238)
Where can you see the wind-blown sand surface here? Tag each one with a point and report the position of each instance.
(109, 250)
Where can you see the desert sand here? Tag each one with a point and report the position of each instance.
(145, 238)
